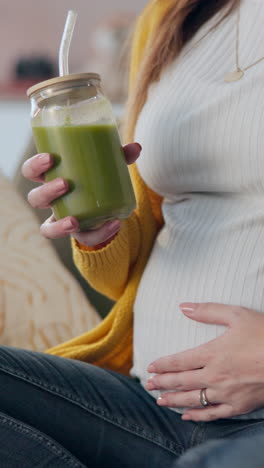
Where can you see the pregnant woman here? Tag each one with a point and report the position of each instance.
(187, 268)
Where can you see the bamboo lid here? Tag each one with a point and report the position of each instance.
(63, 79)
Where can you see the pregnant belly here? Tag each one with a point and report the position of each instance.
(207, 256)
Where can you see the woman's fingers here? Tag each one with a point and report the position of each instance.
(189, 399)
(98, 236)
(212, 413)
(43, 196)
(183, 381)
(35, 167)
(53, 229)
(132, 152)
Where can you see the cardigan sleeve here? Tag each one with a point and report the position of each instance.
(107, 270)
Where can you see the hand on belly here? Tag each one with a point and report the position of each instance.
(230, 367)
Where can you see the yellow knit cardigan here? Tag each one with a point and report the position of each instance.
(116, 270)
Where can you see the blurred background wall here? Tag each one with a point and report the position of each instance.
(30, 33)
(35, 26)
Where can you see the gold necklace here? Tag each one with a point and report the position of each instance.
(239, 72)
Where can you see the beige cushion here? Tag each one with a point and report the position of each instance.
(41, 304)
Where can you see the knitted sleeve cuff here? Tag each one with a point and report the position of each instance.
(97, 259)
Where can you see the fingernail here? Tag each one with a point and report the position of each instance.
(186, 417)
(60, 184)
(160, 401)
(44, 158)
(69, 225)
(139, 146)
(151, 369)
(113, 226)
(150, 385)
(189, 308)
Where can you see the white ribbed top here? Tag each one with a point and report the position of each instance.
(203, 150)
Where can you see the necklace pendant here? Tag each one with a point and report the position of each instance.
(234, 76)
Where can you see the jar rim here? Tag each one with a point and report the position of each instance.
(62, 79)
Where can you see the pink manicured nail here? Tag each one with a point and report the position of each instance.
(160, 401)
(189, 308)
(69, 225)
(44, 158)
(151, 369)
(60, 184)
(150, 385)
(186, 417)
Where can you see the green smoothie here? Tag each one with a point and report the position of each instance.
(91, 159)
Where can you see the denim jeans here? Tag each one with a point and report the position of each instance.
(58, 413)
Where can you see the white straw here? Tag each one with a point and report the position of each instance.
(66, 42)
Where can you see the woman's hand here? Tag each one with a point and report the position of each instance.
(42, 197)
(230, 367)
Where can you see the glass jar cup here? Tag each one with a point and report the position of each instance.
(73, 120)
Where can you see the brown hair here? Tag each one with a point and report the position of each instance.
(179, 24)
